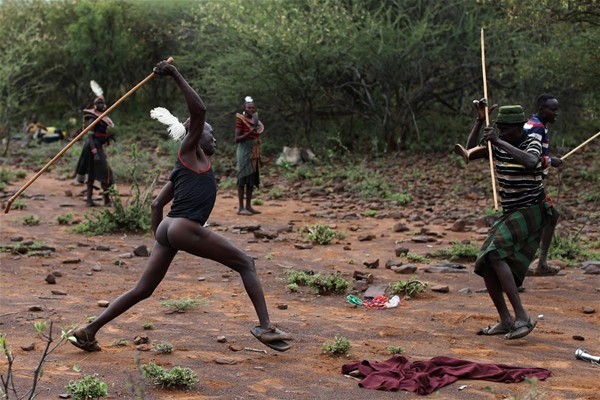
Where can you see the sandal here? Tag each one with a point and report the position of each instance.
(521, 329)
(85, 345)
(244, 212)
(273, 338)
(491, 330)
(549, 271)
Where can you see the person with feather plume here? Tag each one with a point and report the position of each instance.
(93, 162)
(247, 136)
(193, 190)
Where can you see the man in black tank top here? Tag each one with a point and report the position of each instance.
(192, 189)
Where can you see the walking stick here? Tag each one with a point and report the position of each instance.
(580, 146)
(72, 142)
(487, 122)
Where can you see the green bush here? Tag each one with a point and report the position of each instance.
(395, 349)
(340, 345)
(179, 377)
(180, 305)
(162, 348)
(459, 250)
(332, 283)
(409, 288)
(65, 219)
(88, 388)
(321, 234)
(31, 220)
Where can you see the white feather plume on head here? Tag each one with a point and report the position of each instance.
(249, 99)
(96, 89)
(164, 116)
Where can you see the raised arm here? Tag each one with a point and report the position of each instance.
(195, 105)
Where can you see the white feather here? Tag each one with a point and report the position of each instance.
(96, 88)
(164, 116)
(249, 99)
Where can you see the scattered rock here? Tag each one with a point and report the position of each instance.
(401, 251)
(459, 226)
(376, 290)
(282, 306)
(446, 267)
(29, 347)
(141, 339)
(96, 268)
(440, 289)
(71, 261)
(465, 291)
(400, 227)
(405, 269)
(101, 247)
(201, 279)
(221, 339)
(263, 234)
(35, 308)
(57, 273)
(361, 276)
(366, 238)
(579, 338)
(234, 347)
(589, 310)
(141, 251)
(392, 263)
(371, 264)
(143, 347)
(59, 293)
(51, 279)
(64, 396)
(591, 267)
(225, 361)
(16, 238)
(103, 303)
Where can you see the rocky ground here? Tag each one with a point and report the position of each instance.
(450, 203)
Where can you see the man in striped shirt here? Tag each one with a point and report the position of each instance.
(508, 250)
(547, 112)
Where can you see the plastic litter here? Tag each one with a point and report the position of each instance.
(393, 302)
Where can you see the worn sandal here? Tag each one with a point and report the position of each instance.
(86, 345)
(273, 338)
(520, 330)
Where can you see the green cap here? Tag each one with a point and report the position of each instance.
(511, 115)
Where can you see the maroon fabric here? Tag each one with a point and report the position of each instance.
(424, 377)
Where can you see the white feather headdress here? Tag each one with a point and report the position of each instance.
(96, 89)
(248, 99)
(164, 116)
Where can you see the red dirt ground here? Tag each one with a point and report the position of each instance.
(432, 324)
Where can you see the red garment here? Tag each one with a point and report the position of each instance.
(425, 377)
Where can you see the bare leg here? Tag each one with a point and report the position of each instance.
(545, 242)
(191, 237)
(157, 267)
(249, 190)
(241, 197)
(507, 282)
(494, 289)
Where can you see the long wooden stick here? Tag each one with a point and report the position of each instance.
(487, 121)
(580, 146)
(72, 142)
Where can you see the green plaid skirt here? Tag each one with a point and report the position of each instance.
(515, 238)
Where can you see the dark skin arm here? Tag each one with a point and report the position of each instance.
(480, 106)
(239, 137)
(528, 160)
(189, 146)
(159, 203)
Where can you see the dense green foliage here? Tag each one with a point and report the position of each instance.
(333, 75)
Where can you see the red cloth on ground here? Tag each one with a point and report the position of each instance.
(424, 377)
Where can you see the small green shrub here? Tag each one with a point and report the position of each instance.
(19, 204)
(568, 248)
(88, 388)
(257, 202)
(276, 193)
(120, 342)
(293, 287)
(332, 283)
(416, 258)
(321, 234)
(340, 345)
(228, 183)
(66, 219)
(31, 220)
(395, 349)
(459, 250)
(180, 305)
(409, 288)
(179, 377)
(148, 326)
(370, 213)
(162, 348)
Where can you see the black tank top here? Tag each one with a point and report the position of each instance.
(195, 192)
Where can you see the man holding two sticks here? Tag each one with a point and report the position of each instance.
(508, 250)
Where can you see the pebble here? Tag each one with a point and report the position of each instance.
(51, 279)
(103, 303)
(221, 339)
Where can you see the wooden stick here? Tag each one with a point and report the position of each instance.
(487, 122)
(580, 146)
(72, 142)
